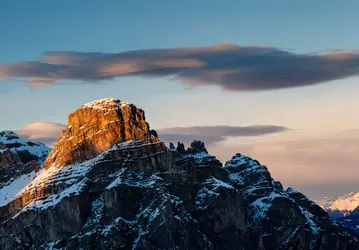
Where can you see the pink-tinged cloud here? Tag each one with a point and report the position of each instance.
(327, 166)
(229, 66)
(318, 167)
(45, 132)
(215, 134)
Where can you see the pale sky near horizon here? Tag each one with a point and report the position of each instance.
(309, 156)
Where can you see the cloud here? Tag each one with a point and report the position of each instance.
(229, 66)
(321, 167)
(187, 139)
(45, 132)
(214, 134)
(48, 132)
(318, 167)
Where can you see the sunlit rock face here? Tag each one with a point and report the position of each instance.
(95, 128)
(111, 184)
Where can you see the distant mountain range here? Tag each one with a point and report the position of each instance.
(344, 209)
(341, 206)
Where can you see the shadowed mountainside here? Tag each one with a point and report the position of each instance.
(110, 183)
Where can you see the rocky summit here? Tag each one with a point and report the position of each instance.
(95, 128)
(110, 183)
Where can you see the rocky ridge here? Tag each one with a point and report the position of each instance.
(19, 161)
(135, 193)
(25, 150)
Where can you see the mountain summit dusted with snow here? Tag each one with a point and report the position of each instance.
(25, 150)
(341, 206)
(344, 209)
(110, 183)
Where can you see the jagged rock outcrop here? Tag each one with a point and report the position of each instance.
(96, 127)
(140, 194)
(18, 157)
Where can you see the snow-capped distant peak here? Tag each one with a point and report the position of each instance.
(341, 205)
(17, 145)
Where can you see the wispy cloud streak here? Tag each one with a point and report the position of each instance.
(214, 134)
(229, 66)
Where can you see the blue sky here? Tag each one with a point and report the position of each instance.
(29, 28)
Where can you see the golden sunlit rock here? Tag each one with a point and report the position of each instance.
(95, 128)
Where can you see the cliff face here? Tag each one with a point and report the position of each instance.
(95, 128)
(139, 194)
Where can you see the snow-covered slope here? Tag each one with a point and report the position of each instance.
(341, 206)
(11, 189)
(18, 146)
(140, 195)
(20, 162)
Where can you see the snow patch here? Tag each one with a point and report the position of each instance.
(54, 199)
(310, 218)
(260, 207)
(13, 187)
(146, 183)
(105, 104)
(209, 192)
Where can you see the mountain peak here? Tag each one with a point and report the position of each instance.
(110, 183)
(106, 104)
(19, 160)
(7, 135)
(341, 206)
(97, 126)
(23, 148)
